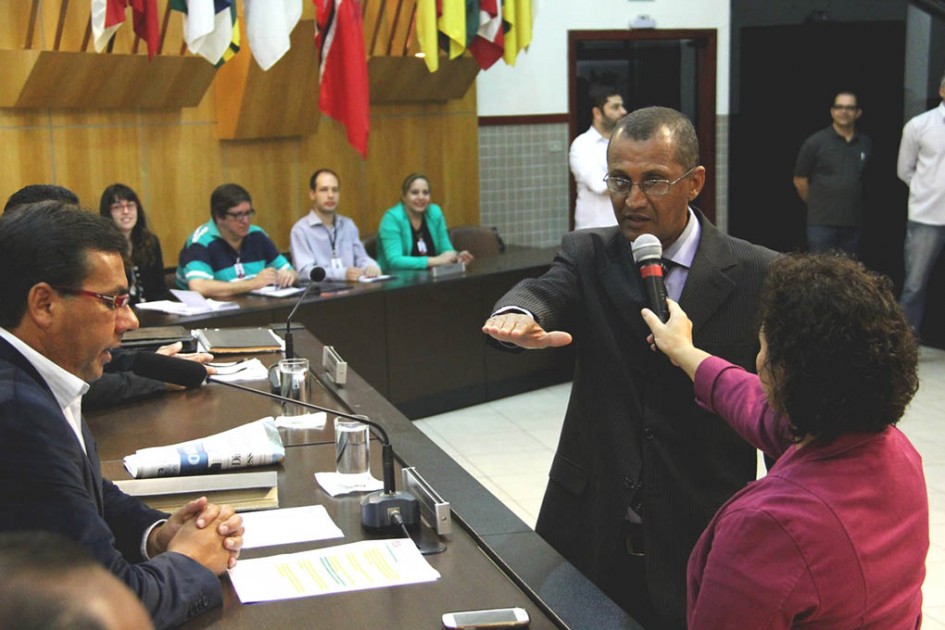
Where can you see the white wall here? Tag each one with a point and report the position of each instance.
(538, 83)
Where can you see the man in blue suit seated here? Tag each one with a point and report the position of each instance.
(63, 306)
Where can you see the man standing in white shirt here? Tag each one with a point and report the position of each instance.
(588, 159)
(922, 167)
(326, 239)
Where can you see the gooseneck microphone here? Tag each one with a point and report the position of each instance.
(169, 369)
(648, 254)
(381, 509)
(317, 274)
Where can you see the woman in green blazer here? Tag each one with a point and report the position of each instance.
(412, 234)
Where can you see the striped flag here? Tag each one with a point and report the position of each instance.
(343, 69)
(268, 26)
(107, 16)
(208, 26)
(489, 44)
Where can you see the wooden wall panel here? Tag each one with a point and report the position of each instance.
(183, 166)
(93, 150)
(173, 158)
(14, 19)
(24, 156)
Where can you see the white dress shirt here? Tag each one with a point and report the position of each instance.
(922, 166)
(588, 159)
(681, 253)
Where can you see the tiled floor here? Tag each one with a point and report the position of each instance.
(508, 445)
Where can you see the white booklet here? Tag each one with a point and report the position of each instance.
(191, 303)
(271, 290)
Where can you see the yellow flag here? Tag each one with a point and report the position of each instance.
(426, 33)
(523, 14)
(511, 35)
(453, 24)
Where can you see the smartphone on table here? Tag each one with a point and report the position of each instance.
(494, 619)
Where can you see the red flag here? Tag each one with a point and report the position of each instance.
(114, 12)
(489, 43)
(146, 25)
(343, 70)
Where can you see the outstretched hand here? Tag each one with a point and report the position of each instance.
(523, 331)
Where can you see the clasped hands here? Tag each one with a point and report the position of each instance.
(209, 534)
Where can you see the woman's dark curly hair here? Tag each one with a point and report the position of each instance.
(840, 355)
(142, 244)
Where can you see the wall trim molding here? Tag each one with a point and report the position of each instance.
(533, 119)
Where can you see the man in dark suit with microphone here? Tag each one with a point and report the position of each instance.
(63, 307)
(640, 469)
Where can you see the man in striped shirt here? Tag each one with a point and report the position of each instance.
(229, 255)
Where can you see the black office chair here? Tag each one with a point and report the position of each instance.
(370, 245)
(479, 240)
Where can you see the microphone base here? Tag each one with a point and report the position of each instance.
(377, 509)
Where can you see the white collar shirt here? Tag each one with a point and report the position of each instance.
(922, 166)
(588, 160)
(681, 253)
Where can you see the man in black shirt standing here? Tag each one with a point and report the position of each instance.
(828, 176)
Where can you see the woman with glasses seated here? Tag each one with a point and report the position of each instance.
(146, 276)
(836, 534)
(412, 234)
(229, 255)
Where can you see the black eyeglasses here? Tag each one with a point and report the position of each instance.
(114, 302)
(846, 108)
(240, 216)
(649, 187)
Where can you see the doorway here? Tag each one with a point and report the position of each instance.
(672, 68)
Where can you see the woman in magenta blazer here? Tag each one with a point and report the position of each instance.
(836, 534)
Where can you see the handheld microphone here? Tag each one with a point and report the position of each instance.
(169, 369)
(381, 509)
(317, 274)
(647, 254)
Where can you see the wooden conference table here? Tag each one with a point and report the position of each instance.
(492, 559)
(416, 339)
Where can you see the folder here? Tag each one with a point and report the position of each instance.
(239, 340)
(244, 491)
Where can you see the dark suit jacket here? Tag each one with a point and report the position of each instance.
(48, 483)
(632, 417)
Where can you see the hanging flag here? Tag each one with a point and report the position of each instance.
(523, 14)
(145, 18)
(489, 44)
(234, 46)
(268, 26)
(107, 16)
(452, 23)
(472, 20)
(518, 15)
(427, 33)
(342, 72)
(511, 34)
(208, 26)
